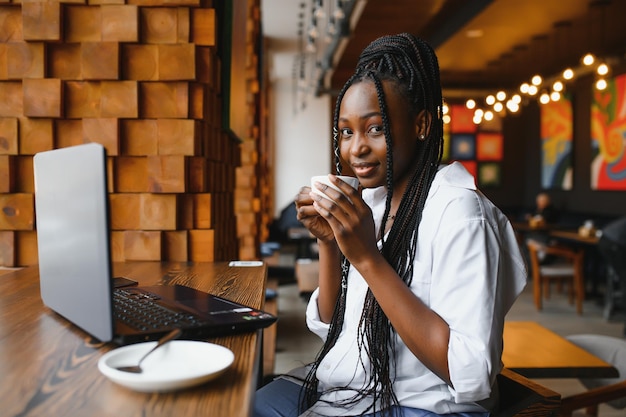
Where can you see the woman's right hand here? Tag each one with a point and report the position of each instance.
(310, 218)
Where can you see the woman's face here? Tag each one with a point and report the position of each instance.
(361, 139)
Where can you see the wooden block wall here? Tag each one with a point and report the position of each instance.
(142, 77)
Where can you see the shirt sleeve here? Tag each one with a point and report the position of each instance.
(473, 257)
(313, 321)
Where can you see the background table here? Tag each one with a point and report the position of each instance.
(49, 367)
(536, 352)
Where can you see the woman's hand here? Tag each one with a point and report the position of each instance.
(349, 219)
(310, 218)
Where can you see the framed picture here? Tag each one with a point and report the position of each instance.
(557, 144)
(488, 174)
(489, 146)
(608, 136)
(462, 146)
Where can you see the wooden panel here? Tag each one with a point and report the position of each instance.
(24, 174)
(104, 131)
(120, 23)
(159, 25)
(36, 135)
(177, 137)
(26, 248)
(175, 245)
(142, 246)
(203, 211)
(11, 24)
(68, 132)
(41, 20)
(162, 100)
(177, 62)
(64, 61)
(100, 60)
(8, 136)
(119, 99)
(202, 245)
(83, 24)
(166, 174)
(140, 62)
(7, 248)
(143, 211)
(82, 99)
(25, 60)
(17, 211)
(42, 97)
(131, 174)
(139, 137)
(204, 28)
(7, 174)
(12, 104)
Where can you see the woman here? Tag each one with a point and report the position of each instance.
(417, 269)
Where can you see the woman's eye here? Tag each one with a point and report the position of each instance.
(345, 132)
(375, 130)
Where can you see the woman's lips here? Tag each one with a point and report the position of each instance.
(364, 170)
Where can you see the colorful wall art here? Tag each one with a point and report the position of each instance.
(478, 147)
(557, 144)
(608, 136)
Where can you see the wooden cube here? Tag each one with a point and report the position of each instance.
(7, 248)
(8, 136)
(24, 174)
(142, 246)
(104, 131)
(120, 22)
(159, 25)
(131, 174)
(7, 174)
(177, 62)
(11, 24)
(204, 27)
(12, 103)
(25, 60)
(117, 246)
(26, 248)
(100, 60)
(175, 246)
(166, 174)
(36, 135)
(203, 211)
(139, 137)
(42, 97)
(68, 132)
(140, 62)
(119, 99)
(83, 24)
(17, 211)
(162, 100)
(177, 137)
(202, 245)
(82, 99)
(41, 21)
(64, 61)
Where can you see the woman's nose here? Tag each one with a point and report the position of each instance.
(359, 144)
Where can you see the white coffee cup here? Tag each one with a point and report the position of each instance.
(323, 179)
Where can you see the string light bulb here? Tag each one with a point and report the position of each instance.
(568, 74)
(588, 59)
(601, 84)
(536, 80)
(470, 104)
(602, 69)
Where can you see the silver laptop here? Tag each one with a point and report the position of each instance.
(73, 237)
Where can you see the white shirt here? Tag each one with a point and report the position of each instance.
(469, 270)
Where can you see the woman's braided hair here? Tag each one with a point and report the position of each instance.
(411, 67)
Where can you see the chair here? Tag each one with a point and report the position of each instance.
(601, 390)
(520, 396)
(566, 267)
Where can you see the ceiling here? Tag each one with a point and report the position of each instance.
(481, 44)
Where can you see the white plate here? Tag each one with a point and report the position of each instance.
(175, 365)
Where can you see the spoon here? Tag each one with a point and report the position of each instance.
(136, 369)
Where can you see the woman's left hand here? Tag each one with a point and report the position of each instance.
(350, 219)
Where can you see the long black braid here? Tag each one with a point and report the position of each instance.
(410, 64)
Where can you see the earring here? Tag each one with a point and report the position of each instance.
(422, 136)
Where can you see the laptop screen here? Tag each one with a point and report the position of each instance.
(73, 236)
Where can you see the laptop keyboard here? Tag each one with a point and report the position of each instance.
(141, 312)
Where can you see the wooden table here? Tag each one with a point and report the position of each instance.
(49, 367)
(536, 352)
(574, 236)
